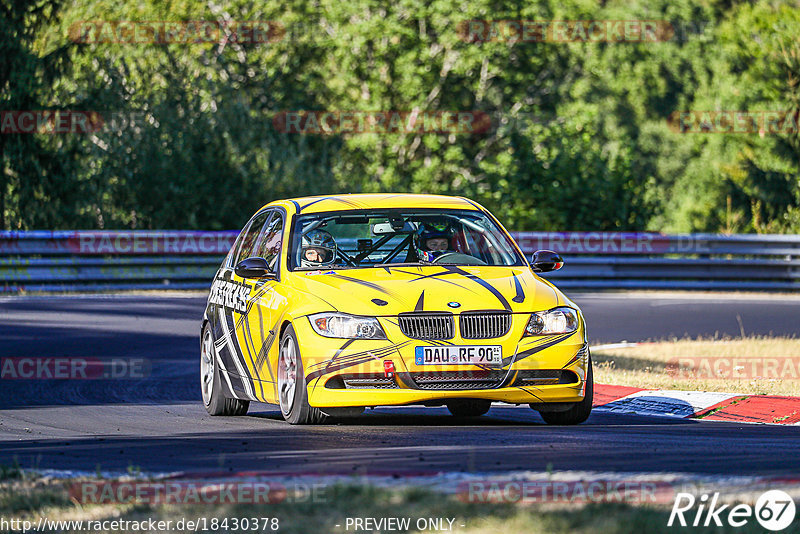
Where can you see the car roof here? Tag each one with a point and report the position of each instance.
(372, 201)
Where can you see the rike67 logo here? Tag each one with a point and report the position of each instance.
(774, 510)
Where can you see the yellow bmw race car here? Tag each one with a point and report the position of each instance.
(327, 305)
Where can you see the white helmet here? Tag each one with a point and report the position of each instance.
(323, 244)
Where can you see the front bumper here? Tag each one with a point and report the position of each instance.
(328, 361)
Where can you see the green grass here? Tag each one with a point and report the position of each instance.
(10, 472)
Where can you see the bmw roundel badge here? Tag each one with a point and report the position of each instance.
(454, 304)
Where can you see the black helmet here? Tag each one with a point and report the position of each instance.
(428, 231)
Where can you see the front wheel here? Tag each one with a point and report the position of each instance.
(579, 412)
(210, 381)
(292, 393)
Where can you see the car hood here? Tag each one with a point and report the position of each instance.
(386, 291)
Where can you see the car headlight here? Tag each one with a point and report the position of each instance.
(556, 321)
(340, 325)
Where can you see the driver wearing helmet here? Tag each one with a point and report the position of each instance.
(433, 240)
(318, 249)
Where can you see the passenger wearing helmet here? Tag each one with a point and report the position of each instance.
(318, 249)
(432, 241)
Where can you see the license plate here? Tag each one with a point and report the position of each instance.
(459, 355)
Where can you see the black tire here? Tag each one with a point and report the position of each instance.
(298, 412)
(217, 403)
(580, 411)
(468, 407)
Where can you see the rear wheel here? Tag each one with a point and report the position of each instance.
(292, 393)
(579, 412)
(468, 407)
(210, 381)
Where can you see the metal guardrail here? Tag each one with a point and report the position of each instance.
(639, 260)
(100, 261)
(96, 261)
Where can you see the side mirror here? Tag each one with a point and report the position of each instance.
(254, 267)
(544, 261)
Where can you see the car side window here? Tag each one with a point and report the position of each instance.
(269, 243)
(250, 236)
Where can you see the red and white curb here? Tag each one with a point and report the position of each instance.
(767, 409)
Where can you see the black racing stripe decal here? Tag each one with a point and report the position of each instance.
(235, 350)
(237, 345)
(335, 199)
(405, 379)
(263, 355)
(338, 352)
(333, 368)
(259, 292)
(573, 360)
(244, 325)
(311, 204)
(371, 285)
(530, 393)
(387, 197)
(578, 355)
(509, 379)
(361, 355)
(538, 348)
(435, 276)
(251, 350)
(346, 344)
(354, 359)
(473, 204)
(493, 290)
(384, 351)
(520, 297)
(420, 303)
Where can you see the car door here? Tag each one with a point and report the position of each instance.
(230, 296)
(266, 305)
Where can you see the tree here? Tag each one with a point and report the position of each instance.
(36, 188)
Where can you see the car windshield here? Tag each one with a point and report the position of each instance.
(368, 238)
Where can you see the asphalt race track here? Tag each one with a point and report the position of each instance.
(158, 424)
